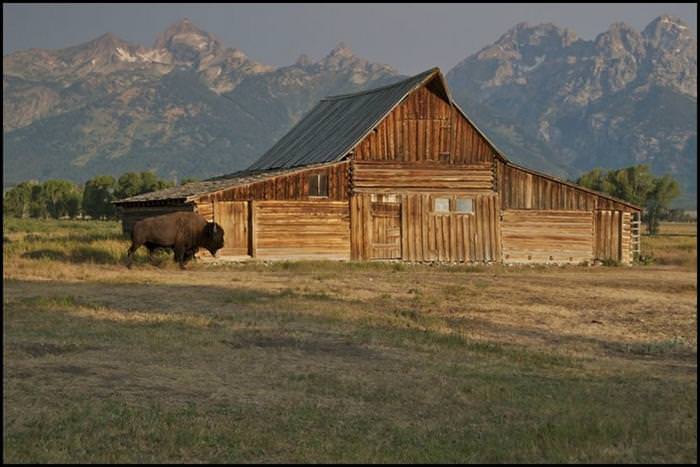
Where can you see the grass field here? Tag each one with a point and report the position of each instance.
(343, 362)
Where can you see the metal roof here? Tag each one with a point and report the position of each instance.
(336, 124)
(190, 191)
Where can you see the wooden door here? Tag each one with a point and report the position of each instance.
(233, 217)
(385, 241)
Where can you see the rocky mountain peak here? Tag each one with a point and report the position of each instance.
(341, 50)
(108, 43)
(667, 31)
(620, 39)
(186, 41)
(523, 34)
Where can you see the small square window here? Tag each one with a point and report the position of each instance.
(442, 205)
(318, 185)
(464, 205)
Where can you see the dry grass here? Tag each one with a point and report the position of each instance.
(676, 244)
(343, 362)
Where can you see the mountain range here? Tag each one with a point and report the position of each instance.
(190, 107)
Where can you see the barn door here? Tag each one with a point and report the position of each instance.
(385, 240)
(233, 217)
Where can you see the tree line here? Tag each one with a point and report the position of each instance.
(63, 198)
(638, 186)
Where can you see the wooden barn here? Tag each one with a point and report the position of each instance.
(399, 173)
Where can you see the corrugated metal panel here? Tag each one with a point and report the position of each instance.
(332, 128)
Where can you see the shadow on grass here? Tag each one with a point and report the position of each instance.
(289, 310)
(81, 254)
(89, 254)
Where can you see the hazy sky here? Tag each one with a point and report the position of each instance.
(409, 37)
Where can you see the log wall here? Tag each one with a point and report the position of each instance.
(390, 176)
(613, 236)
(425, 127)
(547, 236)
(301, 229)
(430, 236)
(520, 189)
(294, 186)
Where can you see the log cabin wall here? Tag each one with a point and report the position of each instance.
(424, 232)
(521, 189)
(390, 176)
(130, 214)
(294, 186)
(613, 236)
(425, 127)
(547, 236)
(301, 229)
(278, 217)
(539, 196)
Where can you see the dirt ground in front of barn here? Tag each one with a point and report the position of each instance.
(343, 361)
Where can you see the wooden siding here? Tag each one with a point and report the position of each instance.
(132, 214)
(520, 189)
(233, 217)
(301, 229)
(613, 236)
(293, 186)
(386, 231)
(425, 127)
(390, 176)
(547, 236)
(430, 236)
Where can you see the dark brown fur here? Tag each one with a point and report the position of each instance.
(184, 232)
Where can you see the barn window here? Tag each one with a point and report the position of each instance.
(318, 185)
(442, 205)
(464, 205)
(379, 198)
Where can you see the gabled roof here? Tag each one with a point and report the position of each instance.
(337, 124)
(326, 135)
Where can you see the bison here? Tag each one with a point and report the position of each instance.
(184, 232)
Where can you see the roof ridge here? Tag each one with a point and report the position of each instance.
(381, 88)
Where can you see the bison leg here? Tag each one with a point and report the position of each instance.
(130, 254)
(189, 254)
(180, 256)
(150, 254)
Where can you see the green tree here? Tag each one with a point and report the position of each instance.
(593, 179)
(136, 183)
(632, 184)
(17, 201)
(37, 204)
(98, 196)
(74, 203)
(129, 184)
(61, 198)
(664, 191)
